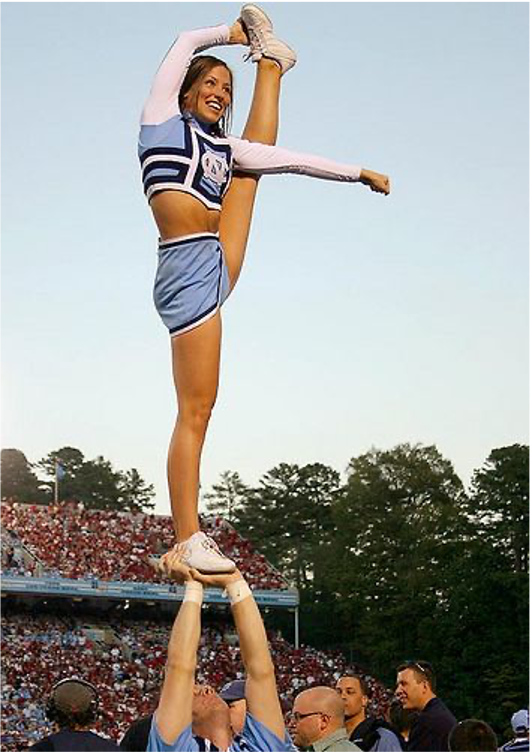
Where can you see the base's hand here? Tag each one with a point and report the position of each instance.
(170, 565)
(201, 690)
(376, 182)
(217, 580)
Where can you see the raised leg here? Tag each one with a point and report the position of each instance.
(262, 126)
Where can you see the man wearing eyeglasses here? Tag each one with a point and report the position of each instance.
(318, 722)
(415, 688)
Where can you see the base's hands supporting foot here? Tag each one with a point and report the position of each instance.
(376, 182)
(172, 566)
(217, 580)
(197, 552)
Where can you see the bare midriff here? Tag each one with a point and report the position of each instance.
(178, 214)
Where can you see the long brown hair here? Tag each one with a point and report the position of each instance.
(199, 68)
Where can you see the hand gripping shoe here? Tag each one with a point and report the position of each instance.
(262, 41)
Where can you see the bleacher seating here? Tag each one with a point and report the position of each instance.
(126, 667)
(71, 541)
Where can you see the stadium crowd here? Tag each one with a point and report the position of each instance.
(70, 541)
(125, 662)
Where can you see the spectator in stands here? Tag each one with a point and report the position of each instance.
(416, 691)
(73, 707)
(172, 723)
(318, 720)
(520, 724)
(472, 736)
(367, 732)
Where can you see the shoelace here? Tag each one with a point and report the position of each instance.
(211, 545)
(255, 44)
(254, 39)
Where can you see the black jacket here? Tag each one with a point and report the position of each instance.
(430, 731)
(72, 741)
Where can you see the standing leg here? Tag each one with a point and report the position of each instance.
(196, 358)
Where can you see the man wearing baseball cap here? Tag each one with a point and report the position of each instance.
(234, 695)
(520, 724)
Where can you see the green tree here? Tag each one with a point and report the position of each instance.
(486, 624)
(19, 481)
(289, 517)
(399, 527)
(228, 496)
(96, 483)
(72, 461)
(480, 634)
(500, 503)
(100, 484)
(135, 494)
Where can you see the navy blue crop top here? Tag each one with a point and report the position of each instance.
(179, 153)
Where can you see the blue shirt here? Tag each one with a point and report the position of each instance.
(255, 738)
(182, 154)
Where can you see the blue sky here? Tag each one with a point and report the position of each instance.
(359, 320)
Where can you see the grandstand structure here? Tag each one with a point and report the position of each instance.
(79, 598)
(65, 550)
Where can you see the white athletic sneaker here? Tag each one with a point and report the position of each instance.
(262, 41)
(258, 27)
(202, 553)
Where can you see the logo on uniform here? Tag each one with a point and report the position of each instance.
(215, 167)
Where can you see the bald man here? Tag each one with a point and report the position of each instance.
(318, 721)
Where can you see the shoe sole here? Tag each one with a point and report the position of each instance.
(155, 564)
(217, 571)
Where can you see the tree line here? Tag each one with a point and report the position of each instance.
(95, 483)
(400, 562)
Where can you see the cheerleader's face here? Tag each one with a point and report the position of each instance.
(214, 95)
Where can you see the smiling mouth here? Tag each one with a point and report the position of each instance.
(215, 106)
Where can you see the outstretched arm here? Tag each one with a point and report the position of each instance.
(174, 711)
(162, 103)
(260, 689)
(263, 159)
